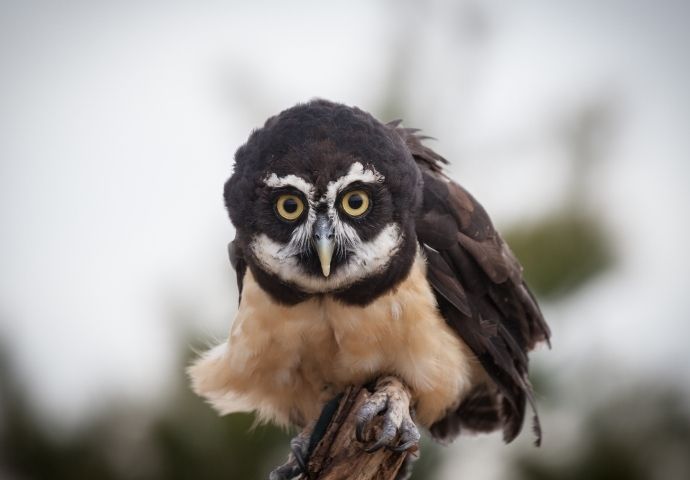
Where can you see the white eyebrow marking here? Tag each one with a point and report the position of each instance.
(273, 180)
(357, 173)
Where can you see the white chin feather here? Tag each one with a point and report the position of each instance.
(365, 259)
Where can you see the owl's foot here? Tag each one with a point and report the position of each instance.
(398, 431)
(297, 460)
(302, 446)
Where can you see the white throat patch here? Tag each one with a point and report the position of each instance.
(367, 259)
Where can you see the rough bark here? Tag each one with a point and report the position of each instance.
(339, 456)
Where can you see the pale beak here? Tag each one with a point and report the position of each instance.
(325, 250)
(324, 242)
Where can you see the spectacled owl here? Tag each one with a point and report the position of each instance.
(357, 257)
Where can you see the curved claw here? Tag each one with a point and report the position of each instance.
(409, 436)
(296, 463)
(285, 472)
(398, 431)
(299, 452)
(386, 437)
(366, 414)
(408, 439)
(405, 446)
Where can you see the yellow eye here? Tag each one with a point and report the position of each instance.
(289, 207)
(355, 203)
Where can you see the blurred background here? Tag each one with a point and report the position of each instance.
(118, 124)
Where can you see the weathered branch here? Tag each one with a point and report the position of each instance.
(339, 456)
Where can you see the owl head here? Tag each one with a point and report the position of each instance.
(323, 199)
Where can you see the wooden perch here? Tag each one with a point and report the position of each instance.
(339, 456)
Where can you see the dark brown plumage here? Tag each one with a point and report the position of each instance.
(482, 295)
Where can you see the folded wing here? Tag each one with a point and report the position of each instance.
(482, 295)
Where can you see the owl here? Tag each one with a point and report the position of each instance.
(360, 261)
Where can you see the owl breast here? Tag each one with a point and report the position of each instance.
(285, 362)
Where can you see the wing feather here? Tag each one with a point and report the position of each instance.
(482, 295)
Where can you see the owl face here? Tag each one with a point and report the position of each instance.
(323, 199)
(323, 237)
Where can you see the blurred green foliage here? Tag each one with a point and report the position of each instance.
(185, 440)
(561, 252)
(640, 434)
(569, 246)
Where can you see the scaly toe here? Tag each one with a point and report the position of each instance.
(409, 436)
(397, 431)
(297, 461)
(302, 445)
(376, 404)
(287, 471)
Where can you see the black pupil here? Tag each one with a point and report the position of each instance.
(290, 205)
(355, 201)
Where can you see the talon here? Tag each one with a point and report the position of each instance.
(398, 430)
(300, 452)
(387, 435)
(285, 472)
(302, 445)
(375, 405)
(296, 463)
(409, 436)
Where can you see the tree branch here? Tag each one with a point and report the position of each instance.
(339, 456)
